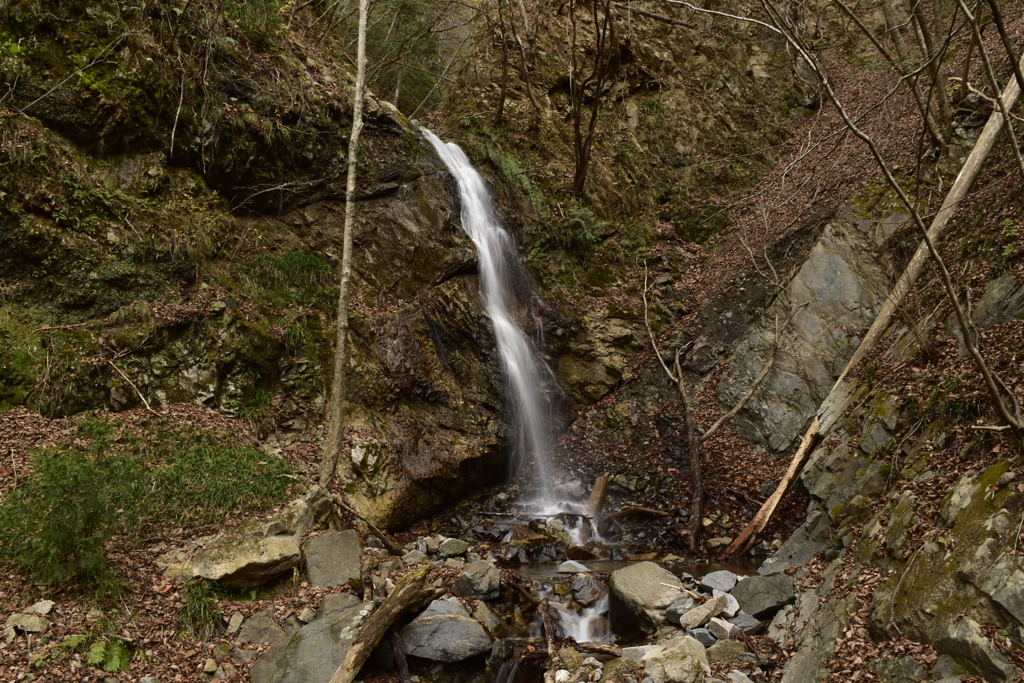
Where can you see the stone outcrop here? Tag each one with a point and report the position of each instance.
(445, 632)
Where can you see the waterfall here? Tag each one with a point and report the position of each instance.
(498, 258)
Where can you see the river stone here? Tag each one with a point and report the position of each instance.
(445, 633)
(725, 651)
(314, 652)
(680, 660)
(414, 557)
(586, 588)
(452, 547)
(722, 629)
(703, 636)
(571, 567)
(732, 607)
(479, 579)
(723, 580)
(639, 596)
(259, 628)
(763, 596)
(678, 609)
(332, 558)
(750, 625)
(699, 616)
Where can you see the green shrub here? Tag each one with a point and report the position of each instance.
(198, 614)
(111, 479)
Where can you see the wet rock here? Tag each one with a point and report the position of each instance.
(452, 547)
(501, 651)
(479, 579)
(586, 589)
(703, 636)
(444, 632)
(678, 609)
(723, 580)
(763, 596)
(722, 629)
(314, 652)
(493, 624)
(259, 628)
(580, 554)
(571, 567)
(680, 660)
(332, 558)
(698, 616)
(640, 594)
(750, 625)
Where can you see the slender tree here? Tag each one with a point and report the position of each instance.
(336, 421)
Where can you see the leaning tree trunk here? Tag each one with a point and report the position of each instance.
(336, 422)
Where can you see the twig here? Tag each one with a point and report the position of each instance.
(680, 588)
(133, 386)
(385, 539)
(991, 428)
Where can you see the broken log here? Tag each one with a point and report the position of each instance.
(600, 648)
(637, 510)
(366, 567)
(411, 590)
(554, 659)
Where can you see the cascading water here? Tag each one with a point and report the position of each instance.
(496, 252)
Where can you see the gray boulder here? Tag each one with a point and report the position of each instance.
(698, 616)
(332, 558)
(444, 632)
(479, 579)
(680, 660)
(750, 625)
(763, 596)
(640, 594)
(703, 636)
(313, 653)
(452, 547)
(571, 567)
(678, 609)
(723, 580)
(259, 628)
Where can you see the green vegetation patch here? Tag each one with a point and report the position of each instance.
(113, 479)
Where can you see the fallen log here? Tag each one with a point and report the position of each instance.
(600, 648)
(637, 510)
(389, 544)
(411, 590)
(554, 659)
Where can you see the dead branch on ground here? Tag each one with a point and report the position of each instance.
(389, 544)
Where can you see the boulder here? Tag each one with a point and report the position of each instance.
(444, 632)
(678, 609)
(479, 579)
(750, 625)
(27, 623)
(452, 547)
(314, 652)
(332, 558)
(337, 602)
(259, 628)
(571, 567)
(725, 651)
(723, 580)
(640, 596)
(586, 589)
(680, 660)
(763, 596)
(698, 616)
(617, 669)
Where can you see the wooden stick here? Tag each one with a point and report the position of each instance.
(411, 589)
(144, 401)
(554, 659)
(600, 648)
(680, 588)
(389, 544)
(401, 665)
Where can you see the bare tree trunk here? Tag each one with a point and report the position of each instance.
(336, 422)
(499, 110)
(411, 590)
(997, 17)
(934, 66)
(524, 62)
(965, 76)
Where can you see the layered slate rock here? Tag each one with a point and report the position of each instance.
(314, 652)
(479, 579)
(680, 660)
(640, 594)
(445, 632)
(763, 596)
(332, 558)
